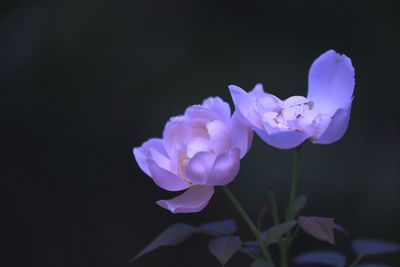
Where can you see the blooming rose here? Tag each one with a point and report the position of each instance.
(198, 151)
(322, 116)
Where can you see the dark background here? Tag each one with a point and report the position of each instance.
(83, 82)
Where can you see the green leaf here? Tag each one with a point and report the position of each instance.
(252, 249)
(366, 247)
(325, 257)
(223, 248)
(299, 203)
(372, 265)
(319, 227)
(261, 263)
(340, 228)
(224, 227)
(273, 234)
(173, 235)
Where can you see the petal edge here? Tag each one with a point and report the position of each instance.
(192, 200)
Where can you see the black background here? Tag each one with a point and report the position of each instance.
(83, 82)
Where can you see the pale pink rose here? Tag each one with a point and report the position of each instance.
(199, 150)
(322, 116)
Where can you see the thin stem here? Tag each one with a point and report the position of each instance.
(291, 209)
(296, 230)
(274, 209)
(248, 221)
(275, 219)
(293, 187)
(356, 261)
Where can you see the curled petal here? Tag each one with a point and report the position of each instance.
(198, 112)
(192, 200)
(199, 167)
(142, 153)
(165, 178)
(258, 91)
(225, 168)
(141, 160)
(282, 140)
(336, 128)
(242, 136)
(331, 82)
(243, 103)
(251, 106)
(219, 106)
(161, 160)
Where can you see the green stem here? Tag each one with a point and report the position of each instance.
(291, 209)
(356, 261)
(290, 240)
(274, 209)
(275, 219)
(293, 187)
(248, 221)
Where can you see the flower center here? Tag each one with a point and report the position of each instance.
(295, 114)
(294, 109)
(183, 161)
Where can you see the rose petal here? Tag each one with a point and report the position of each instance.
(141, 154)
(141, 160)
(314, 128)
(192, 200)
(242, 136)
(219, 136)
(161, 160)
(225, 168)
(267, 103)
(258, 91)
(336, 128)
(197, 112)
(219, 106)
(176, 133)
(282, 140)
(198, 144)
(199, 167)
(165, 178)
(331, 82)
(243, 103)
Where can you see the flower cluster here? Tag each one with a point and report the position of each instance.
(202, 148)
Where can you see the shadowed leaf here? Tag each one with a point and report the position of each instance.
(250, 247)
(340, 228)
(372, 265)
(367, 247)
(299, 203)
(261, 263)
(273, 234)
(173, 235)
(327, 257)
(319, 227)
(224, 247)
(225, 227)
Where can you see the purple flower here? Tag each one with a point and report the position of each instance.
(198, 151)
(322, 116)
